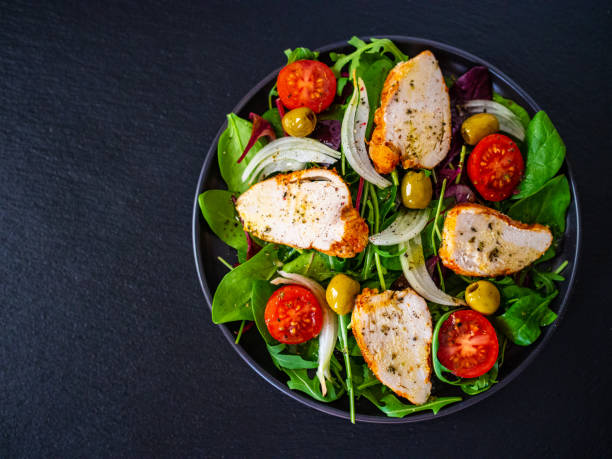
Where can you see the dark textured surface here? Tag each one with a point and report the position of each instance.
(106, 344)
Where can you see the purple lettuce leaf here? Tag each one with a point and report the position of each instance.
(473, 84)
(461, 193)
(261, 128)
(328, 133)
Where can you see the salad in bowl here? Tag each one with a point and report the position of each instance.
(396, 227)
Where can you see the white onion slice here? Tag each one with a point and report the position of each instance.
(352, 135)
(279, 159)
(508, 121)
(407, 225)
(329, 332)
(287, 145)
(415, 271)
(282, 165)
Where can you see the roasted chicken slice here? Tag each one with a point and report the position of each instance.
(394, 330)
(413, 122)
(479, 241)
(309, 209)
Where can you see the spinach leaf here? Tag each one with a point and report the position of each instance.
(260, 294)
(514, 108)
(299, 380)
(527, 312)
(231, 145)
(288, 361)
(548, 206)
(231, 300)
(545, 155)
(312, 264)
(220, 214)
(373, 70)
(298, 54)
(334, 112)
(273, 117)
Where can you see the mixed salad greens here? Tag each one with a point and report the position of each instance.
(243, 295)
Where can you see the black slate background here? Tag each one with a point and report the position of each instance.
(106, 344)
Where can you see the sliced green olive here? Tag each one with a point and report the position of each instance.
(341, 293)
(299, 122)
(416, 190)
(478, 126)
(482, 296)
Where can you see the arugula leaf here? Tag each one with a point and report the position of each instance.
(545, 155)
(220, 214)
(376, 45)
(547, 206)
(394, 408)
(298, 54)
(299, 380)
(231, 300)
(514, 108)
(260, 294)
(312, 264)
(527, 312)
(545, 280)
(231, 145)
(288, 361)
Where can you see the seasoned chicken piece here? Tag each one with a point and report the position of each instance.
(393, 330)
(305, 209)
(479, 241)
(413, 122)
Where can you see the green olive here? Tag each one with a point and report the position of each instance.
(478, 126)
(416, 190)
(299, 122)
(482, 296)
(341, 293)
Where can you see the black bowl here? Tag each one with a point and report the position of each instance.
(207, 246)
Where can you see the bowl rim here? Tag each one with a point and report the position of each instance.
(382, 419)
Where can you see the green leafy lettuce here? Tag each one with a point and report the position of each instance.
(231, 145)
(220, 214)
(231, 300)
(545, 155)
(260, 294)
(547, 206)
(527, 311)
(311, 264)
(515, 108)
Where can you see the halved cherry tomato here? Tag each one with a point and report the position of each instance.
(468, 344)
(495, 167)
(293, 315)
(306, 83)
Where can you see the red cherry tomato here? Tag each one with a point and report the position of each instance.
(467, 344)
(495, 167)
(293, 315)
(306, 83)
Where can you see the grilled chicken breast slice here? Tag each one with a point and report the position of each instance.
(394, 330)
(309, 209)
(479, 241)
(413, 122)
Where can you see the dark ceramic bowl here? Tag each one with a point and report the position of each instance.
(207, 246)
